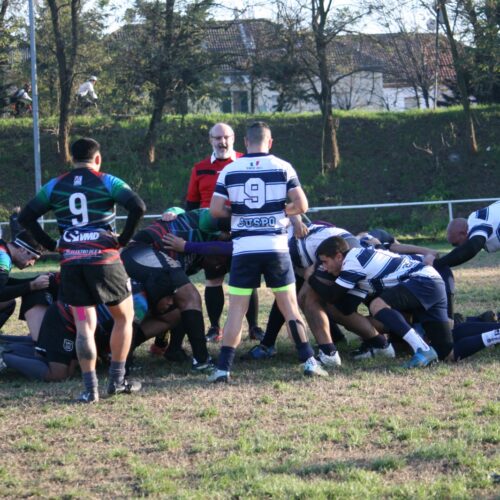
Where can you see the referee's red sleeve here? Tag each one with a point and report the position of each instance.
(193, 193)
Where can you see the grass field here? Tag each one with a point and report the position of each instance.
(370, 430)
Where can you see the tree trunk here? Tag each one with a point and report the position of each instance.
(66, 56)
(330, 155)
(160, 97)
(470, 132)
(64, 124)
(151, 135)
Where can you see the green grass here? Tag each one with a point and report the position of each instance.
(369, 431)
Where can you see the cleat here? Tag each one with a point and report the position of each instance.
(197, 367)
(178, 356)
(156, 351)
(313, 369)
(366, 352)
(488, 317)
(329, 360)
(126, 387)
(214, 334)
(88, 397)
(422, 358)
(258, 352)
(219, 377)
(256, 333)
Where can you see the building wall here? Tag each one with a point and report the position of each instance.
(363, 90)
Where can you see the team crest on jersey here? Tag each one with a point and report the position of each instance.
(77, 181)
(68, 345)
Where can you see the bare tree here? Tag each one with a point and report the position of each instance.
(321, 23)
(66, 55)
(470, 132)
(178, 63)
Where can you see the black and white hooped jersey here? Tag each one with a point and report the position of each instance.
(486, 222)
(366, 271)
(303, 250)
(256, 185)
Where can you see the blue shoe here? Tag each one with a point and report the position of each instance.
(258, 352)
(422, 358)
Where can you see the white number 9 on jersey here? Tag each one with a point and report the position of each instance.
(78, 207)
(255, 189)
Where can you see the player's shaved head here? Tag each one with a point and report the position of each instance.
(258, 133)
(457, 230)
(84, 149)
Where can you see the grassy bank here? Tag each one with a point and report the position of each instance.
(386, 158)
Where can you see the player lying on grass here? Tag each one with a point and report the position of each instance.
(53, 356)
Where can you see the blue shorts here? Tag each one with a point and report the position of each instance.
(430, 294)
(247, 269)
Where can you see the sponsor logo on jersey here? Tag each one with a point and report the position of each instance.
(68, 345)
(77, 181)
(74, 236)
(257, 222)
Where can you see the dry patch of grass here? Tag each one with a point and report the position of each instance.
(370, 430)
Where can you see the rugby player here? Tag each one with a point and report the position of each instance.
(397, 284)
(83, 201)
(469, 236)
(257, 186)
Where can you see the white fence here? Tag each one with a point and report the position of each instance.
(449, 203)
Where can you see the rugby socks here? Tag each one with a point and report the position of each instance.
(138, 338)
(467, 347)
(304, 349)
(193, 325)
(491, 338)
(160, 341)
(378, 342)
(335, 331)
(274, 324)
(328, 349)
(90, 380)
(177, 335)
(226, 358)
(253, 309)
(395, 323)
(116, 372)
(32, 367)
(214, 301)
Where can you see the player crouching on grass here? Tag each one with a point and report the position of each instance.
(399, 285)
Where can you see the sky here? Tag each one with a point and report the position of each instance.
(254, 9)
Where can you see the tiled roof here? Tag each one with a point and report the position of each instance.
(397, 56)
